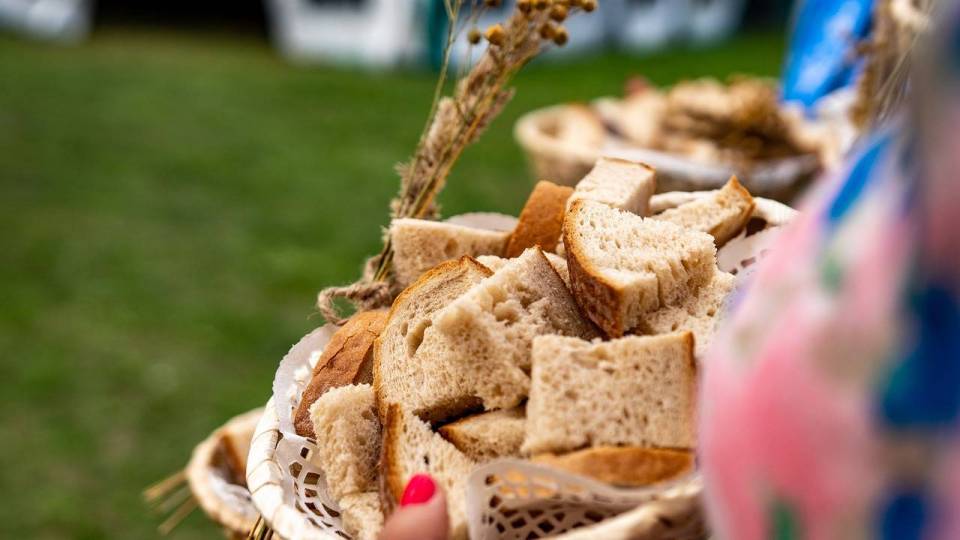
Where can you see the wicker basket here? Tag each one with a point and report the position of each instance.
(552, 159)
(672, 514)
(228, 506)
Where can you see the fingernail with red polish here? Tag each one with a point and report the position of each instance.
(419, 490)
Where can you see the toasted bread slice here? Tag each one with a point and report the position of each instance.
(722, 214)
(630, 466)
(623, 266)
(347, 359)
(361, 515)
(420, 244)
(699, 313)
(540, 220)
(492, 325)
(409, 448)
(633, 391)
(348, 439)
(489, 435)
(626, 185)
(411, 364)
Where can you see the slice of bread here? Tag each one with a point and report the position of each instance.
(635, 391)
(490, 435)
(361, 515)
(623, 266)
(540, 220)
(409, 448)
(699, 313)
(559, 264)
(492, 325)
(623, 184)
(348, 439)
(347, 359)
(722, 214)
(420, 244)
(630, 466)
(411, 363)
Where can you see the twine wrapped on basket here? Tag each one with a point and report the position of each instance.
(505, 497)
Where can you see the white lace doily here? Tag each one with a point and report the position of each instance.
(505, 498)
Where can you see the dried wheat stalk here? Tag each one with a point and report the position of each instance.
(455, 122)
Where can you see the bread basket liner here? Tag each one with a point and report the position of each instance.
(553, 159)
(225, 503)
(505, 498)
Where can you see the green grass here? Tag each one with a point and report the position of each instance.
(169, 205)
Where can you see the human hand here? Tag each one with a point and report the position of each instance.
(422, 514)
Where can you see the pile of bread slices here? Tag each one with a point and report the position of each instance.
(570, 339)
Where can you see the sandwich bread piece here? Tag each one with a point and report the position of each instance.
(632, 391)
(488, 436)
(540, 220)
(348, 439)
(558, 263)
(620, 183)
(491, 327)
(699, 313)
(410, 448)
(411, 359)
(623, 266)
(722, 214)
(361, 515)
(420, 244)
(628, 466)
(347, 359)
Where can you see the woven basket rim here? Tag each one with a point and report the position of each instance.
(198, 477)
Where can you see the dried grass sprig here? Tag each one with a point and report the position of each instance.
(455, 122)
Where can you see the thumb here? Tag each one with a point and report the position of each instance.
(422, 514)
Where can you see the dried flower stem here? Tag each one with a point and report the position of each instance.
(454, 123)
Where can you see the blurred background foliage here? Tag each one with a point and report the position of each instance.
(170, 201)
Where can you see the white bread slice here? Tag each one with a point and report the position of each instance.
(491, 326)
(489, 435)
(636, 391)
(540, 220)
(623, 184)
(558, 263)
(346, 359)
(409, 448)
(410, 359)
(361, 515)
(629, 466)
(420, 244)
(699, 313)
(623, 266)
(721, 214)
(348, 439)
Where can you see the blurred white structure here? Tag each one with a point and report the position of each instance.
(711, 20)
(651, 24)
(58, 20)
(367, 32)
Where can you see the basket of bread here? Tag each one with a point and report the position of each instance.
(542, 369)
(697, 134)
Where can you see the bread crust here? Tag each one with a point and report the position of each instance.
(391, 477)
(343, 361)
(724, 232)
(541, 219)
(630, 466)
(598, 297)
(427, 277)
